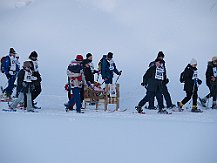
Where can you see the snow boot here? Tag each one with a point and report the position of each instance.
(152, 108)
(195, 109)
(162, 111)
(172, 106)
(214, 105)
(203, 101)
(139, 109)
(180, 105)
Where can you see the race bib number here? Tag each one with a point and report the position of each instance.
(194, 75)
(159, 75)
(214, 71)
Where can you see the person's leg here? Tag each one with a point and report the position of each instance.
(148, 96)
(77, 99)
(37, 90)
(186, 99)
(16, 102)
(151, 103)
(167, 96)
(159, 97)
(10, 87)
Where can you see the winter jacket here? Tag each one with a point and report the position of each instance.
(24, 81)
(88, 71)
(166, 80)
(35, 72)
(153, 78)
(191, 79)
(211, 71)
(10, 64)
(76, 79)
(108, 68)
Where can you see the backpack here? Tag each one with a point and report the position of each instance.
(75, 70)
(2, 64)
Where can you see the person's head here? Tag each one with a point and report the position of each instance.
(193, 62)
(12, 52)
(33, 56)
(214, 60)
(27, 65)
(89, 56)
(79, 58)
(160, 55)
(109, 56)
(158, 62)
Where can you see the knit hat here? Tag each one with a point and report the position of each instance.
(110, 55)
(12, 51)
(27, 64)
(33, 54)
(193, 61)
(88, 55)
(79, 57)
(214, 58)
(160, 54)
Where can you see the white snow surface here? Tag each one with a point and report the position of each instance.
(134, 31)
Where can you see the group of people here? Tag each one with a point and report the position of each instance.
(81, 72)
(155, 81)
(28, 78)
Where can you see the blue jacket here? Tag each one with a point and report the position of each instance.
(7, 65)
(107, 70)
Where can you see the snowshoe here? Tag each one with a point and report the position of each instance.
(162, 111)
(36, 107)
(9, 110)
(139, 109)
(196, 111)
(202, 102)
(171, 107)
(151, 108)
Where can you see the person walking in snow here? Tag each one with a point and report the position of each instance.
(10, 69)
(33, 58)
(108, 68)
(211, 82)
(25, 80)
(165, 91)
(152, 80)
(77, 80)
(88, 67)
(191, 83)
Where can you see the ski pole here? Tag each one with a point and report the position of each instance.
(118, 77)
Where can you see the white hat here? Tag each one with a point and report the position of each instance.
(193, 61)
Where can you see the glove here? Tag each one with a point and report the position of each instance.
(166, 81)
(11, 73)
(143, 84)
(119, 72)
(199, 81)
(34, 78)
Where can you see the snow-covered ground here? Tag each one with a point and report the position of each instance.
(135, 31)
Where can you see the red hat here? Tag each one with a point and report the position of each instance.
(79, 57)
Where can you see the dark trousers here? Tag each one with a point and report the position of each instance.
(108, 81)
(151, 95)
(76, 98)
(166, 95)
(10, 87)
(189, 95)
(37, 90)
(213, 92)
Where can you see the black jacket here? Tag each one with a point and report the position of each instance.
(209, 74)
(23, 86)
(152, 84)
(190, 83)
